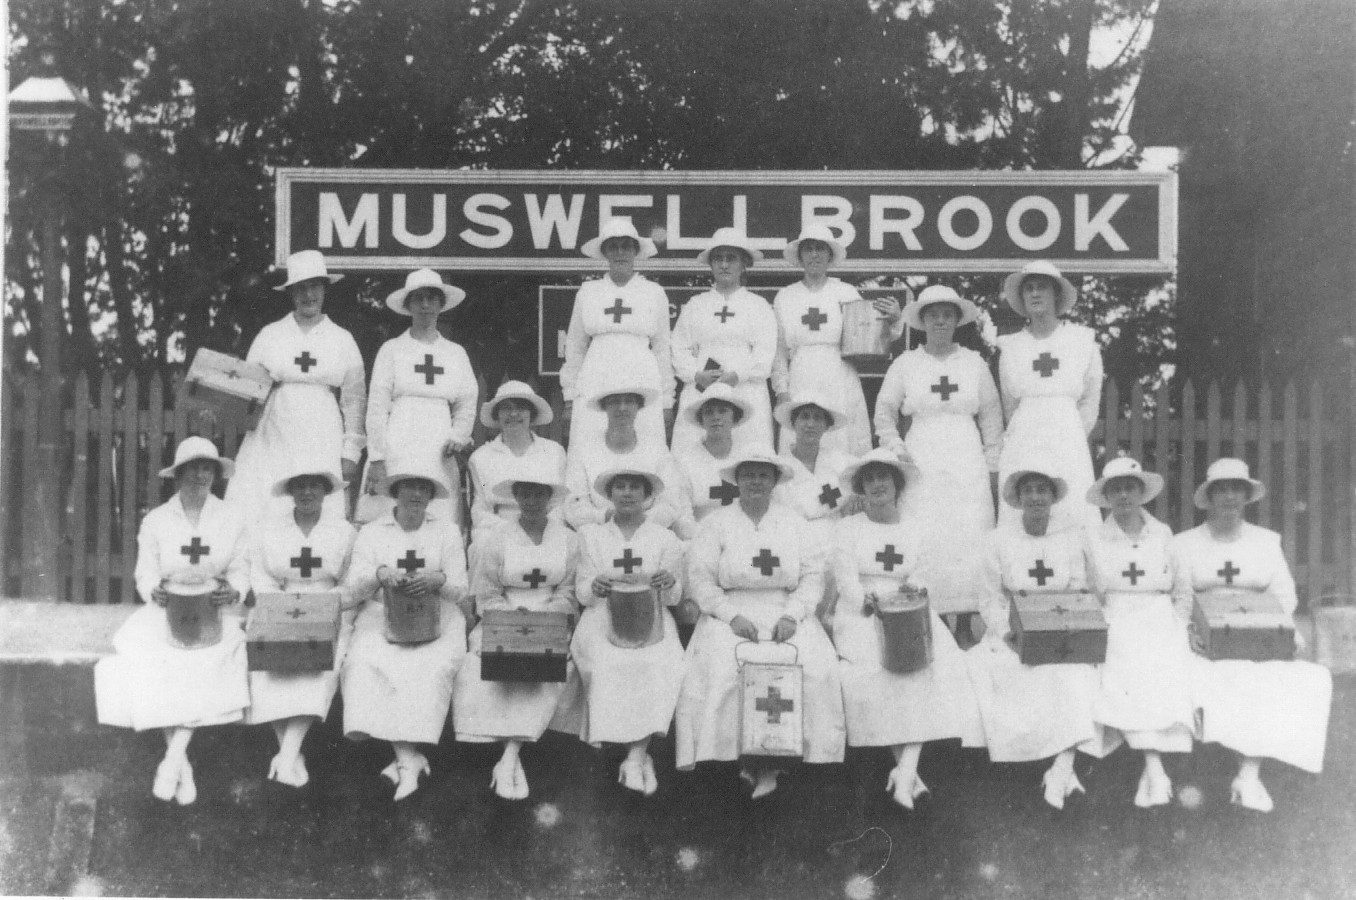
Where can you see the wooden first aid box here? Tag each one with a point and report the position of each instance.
(291, 632)
(524, 646)
(772, 710)
(230, 387)
(1057, 627)
(1242, 625)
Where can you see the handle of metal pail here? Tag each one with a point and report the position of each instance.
(795, 658)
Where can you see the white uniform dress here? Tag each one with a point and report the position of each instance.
(738, 332)
(809, 357)
(955, 435)
(301, 418)
(1052, 389)
(760, 571)
(1277, 710)
(422, 396)
(817, 495)
(625, 694)
(703, 488)
(884, 708)
(1034, 712)
(401, 692)
(149, 683)
(1146, 681)
(512, 572)
(283, 559)
(493, 462)
(617, 329)
(585, 506)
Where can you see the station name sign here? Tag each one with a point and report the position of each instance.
(892, 222)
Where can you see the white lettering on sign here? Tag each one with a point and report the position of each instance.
(609, 203)
(881, 224)
(474, 210)
(946, 222)
(1086, 229)
(673, 222)
(553, 217)
(826, 209)
(740, 221)
(333, 223)
(437, 229)
(1052, 223)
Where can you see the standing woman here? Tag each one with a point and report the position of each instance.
(400, 692)
(628, 693)
(620, 322)
(422, 405)
(311, 359)
(1035, 712)
(875, 554)
(1146, 682)
(515, 409)
(757, 575)
(1260, 710)
(1051, 375)
(304, 553)
(954, 438)
(727, 334)
(810, 331)
(150, 682)
(526, 565)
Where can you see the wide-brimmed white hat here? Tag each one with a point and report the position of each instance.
(656, 483)
(729, 237)
(516, 390)
(1227, 468)
(939, 293)
(425, 278)
(648, 393)
(722, 392)
(1124, 467)
(332, 480)
(193, 448)
(1010, 486)
(879, 456)
(620, 227)
(532, 473)
(815, 231)
(305, 265)
(784, 411)
(757, 454)
(400, 470)
(1012, 287)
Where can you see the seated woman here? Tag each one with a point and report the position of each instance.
(875, 554)
(757, 575)
(153, 681)
(400, 692)
(813, 489)
(1146, 682)
(515, 409)
(1260, 710)
(305, 553)
(628, 692)
(719, 412)
(1035, 712)
(526, 565)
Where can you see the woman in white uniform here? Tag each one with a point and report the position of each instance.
(814, 489)
(1035, 712)
(310, 359)
(401, 692)
(757, 575)
(719, 412)
(422, 404)
(150, 682)
(727, 334)
(526, 565)
(1260, 710)
(1051, 376)
(307, 554)
(1146, 681)
(954, 438)
(810, 332)
(628, 693)
(514, 410)
(875, 553)
(620, 322)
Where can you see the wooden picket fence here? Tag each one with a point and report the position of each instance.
(119, 433)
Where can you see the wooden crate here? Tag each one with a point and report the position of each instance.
(1052, 627)
(231, 388)
(1241, 625)
(524, 646)
(292, 632)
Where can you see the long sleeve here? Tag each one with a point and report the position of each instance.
(586, 570)
(579, 509)
(683, 347)
(663, 353)
(888, 404)
(673, 559)
(453, 556)
(989, 418)
(781, 360)
(577, 342)
(667, 508)
(353, 401)
(1090, 401)
(993, 608)
(486, 586)
(764, 346)
(482, 504)
(1282, 585)
(261, 579)
(703, 574)
(563, 593)
(843, 568)
(802, 601)
(1183, 597)
(148, 572)
(464, 406)
(379, 403)
(361, 580)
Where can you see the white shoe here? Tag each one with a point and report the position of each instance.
(501, 779)
(392, 773)
(300, 776)
(905, 792)
(767, 783)
(1058, 787)
(651, 782)
(187, 791)
(408, 781)
(166, 778)
(284, 771)
(1250, 793)
(631, 775)
(520, 788)
(1154, 790)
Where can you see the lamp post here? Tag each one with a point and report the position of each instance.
(46, 107)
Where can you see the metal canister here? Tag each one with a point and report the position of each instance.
(194, 620)
(412, 619)
(634, 615)
(865, 333)
(905, 628)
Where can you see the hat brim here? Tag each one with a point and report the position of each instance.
(227, 467)
(849, 474)
(704, 258)
(1010, 486)
(545, 415)
(791, 252)
(330, 278)
(784, 470)
(693, 413)
(440, 490)
(1012, 292)
(1202, 501)
(913, 313)
(656, 483)
(332, 481)
(593, 248)
(1152, 481)
(648, 394)
(784, 410)
(504, 490)
(452, 298)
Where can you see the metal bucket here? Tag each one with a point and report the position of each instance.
(194, 620)
(905, 628)
(634, 615)
(410, 619)
(865, 333)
